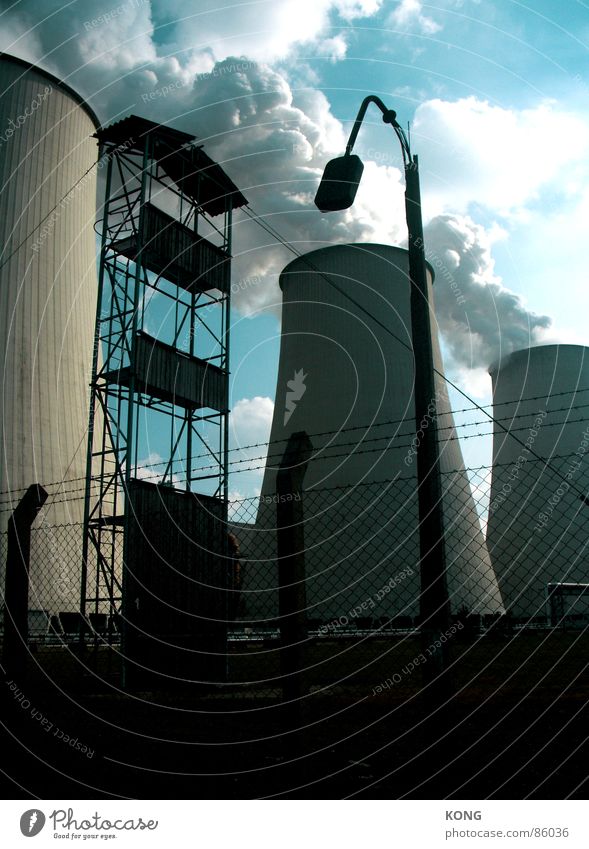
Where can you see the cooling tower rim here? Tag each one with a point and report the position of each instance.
(511, 359)
(364, 246)
(67, 89)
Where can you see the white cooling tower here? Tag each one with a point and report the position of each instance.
(347, 380)
(48, 288)
(538, 529)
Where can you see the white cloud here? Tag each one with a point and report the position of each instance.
(266, 30)
(251, 419)
(353, 9)
(274, 140)
(477, 153)
(152, 467)
(250, 422)
(115, 38)
(480, 319)
(334, 48)
(408, 15)
(109, 54)
(475, 381)
(19, 39)
(275, 143)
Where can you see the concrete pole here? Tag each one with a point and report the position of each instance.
(290, 540)
(434, 601)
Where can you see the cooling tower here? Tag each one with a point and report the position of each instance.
(346, 378)
(538, 527)
(48, 289)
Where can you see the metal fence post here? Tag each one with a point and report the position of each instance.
(16, 593)
(290, 540)
(434, 599)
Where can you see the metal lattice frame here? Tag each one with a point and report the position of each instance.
(555, 598)
(164, 293)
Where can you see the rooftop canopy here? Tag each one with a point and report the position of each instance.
(193, 171)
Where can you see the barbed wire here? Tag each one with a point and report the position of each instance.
(367, 427)
(387, 330)
(325, 454)
(256, 218)
(480, 470)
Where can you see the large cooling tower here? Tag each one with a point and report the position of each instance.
(347, 380)
(48, 289)
(538, 529)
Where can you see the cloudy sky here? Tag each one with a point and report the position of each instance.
(496, 94)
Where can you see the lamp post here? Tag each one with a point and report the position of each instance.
(337, 191)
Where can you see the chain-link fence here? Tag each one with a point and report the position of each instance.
(516, 561)
(54, 580)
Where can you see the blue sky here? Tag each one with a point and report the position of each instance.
(497, 94)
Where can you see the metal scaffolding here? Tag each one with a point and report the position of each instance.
(159, 391)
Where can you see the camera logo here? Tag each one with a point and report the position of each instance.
(32, 822)
(297, 389)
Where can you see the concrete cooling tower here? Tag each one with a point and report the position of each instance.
(538, 530)
(48, 287)
(347, 380)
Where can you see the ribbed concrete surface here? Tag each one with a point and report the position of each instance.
(48, 288)
(538, 529)
(357, 377)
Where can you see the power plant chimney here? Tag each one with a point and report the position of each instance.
(346, 378)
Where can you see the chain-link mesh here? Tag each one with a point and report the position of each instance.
(54, 580)
(516, 558)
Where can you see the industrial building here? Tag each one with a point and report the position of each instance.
(48, 287)
(538, 528)
(347, 381)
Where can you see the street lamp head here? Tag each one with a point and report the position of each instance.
(339, 183)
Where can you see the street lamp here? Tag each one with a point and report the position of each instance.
(337, 191)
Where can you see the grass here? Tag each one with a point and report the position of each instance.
(516, 724)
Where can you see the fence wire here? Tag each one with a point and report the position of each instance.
(516, 560)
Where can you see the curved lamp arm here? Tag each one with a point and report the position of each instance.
(389, 116)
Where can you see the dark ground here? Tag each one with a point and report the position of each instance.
(517, 727)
